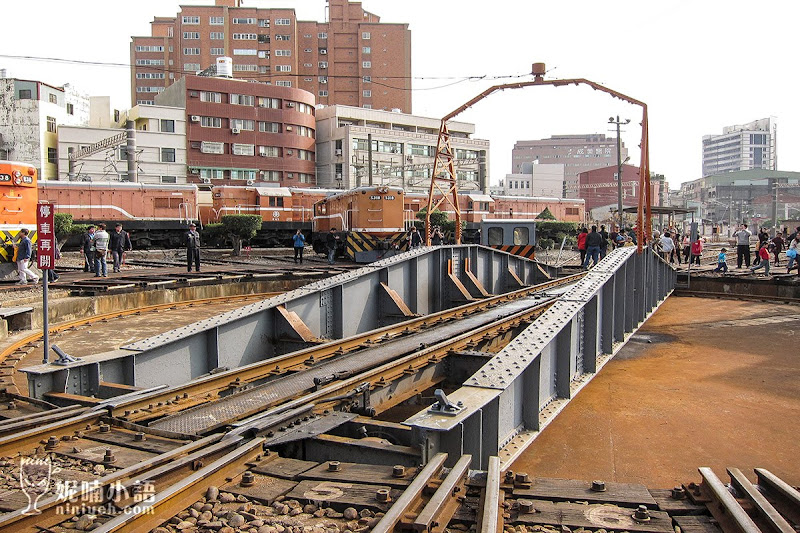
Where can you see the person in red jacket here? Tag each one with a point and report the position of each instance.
(582, 243)
(697, 250)
(763, 254)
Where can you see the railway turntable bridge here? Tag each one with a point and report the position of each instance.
(508, 340)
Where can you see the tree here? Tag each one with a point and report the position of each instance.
(64, 228)
(239, 228)
(545, 215)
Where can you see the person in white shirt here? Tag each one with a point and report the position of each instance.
(100, 239)
(667, 246)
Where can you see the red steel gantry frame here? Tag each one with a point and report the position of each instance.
(443, 178)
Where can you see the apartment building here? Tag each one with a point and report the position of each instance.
(535, 180)
(350, 59)
(31, 113)
(243, 132)
(402, 151)
(741, 147)
(578, 153)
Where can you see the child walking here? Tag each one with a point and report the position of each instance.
(722, 263)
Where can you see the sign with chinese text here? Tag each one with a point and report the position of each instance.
(46, 236)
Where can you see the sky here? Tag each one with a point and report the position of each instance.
(699, 65)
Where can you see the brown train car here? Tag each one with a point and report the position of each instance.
(153, 214)
(529, 207)
(371, 222)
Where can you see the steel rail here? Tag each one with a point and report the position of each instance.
(52, 509)
(28, 440)
(785, 498)
(724, 507)
(411, 496)
(490, 519)
(437, 513)
(175, 498)
(765, 510)
(203, 389)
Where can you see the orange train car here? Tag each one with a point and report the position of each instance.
(18, 198)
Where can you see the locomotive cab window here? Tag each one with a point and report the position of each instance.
(275, 201)
(495, 236)
(320, 209)
(521, 236)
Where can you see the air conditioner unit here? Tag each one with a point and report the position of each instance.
(205, 180)
(290, 175)
(251, 182)
(289, 152)
(263, 154)
(195, 118)
(194, 94)
(338, 176)
(236, 131)
(195, 144)
(288, 128)
(338, 152)
(290, 104)
(409, 158)
(323, 52)
(194, 170)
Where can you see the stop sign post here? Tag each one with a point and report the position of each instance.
(46, 260)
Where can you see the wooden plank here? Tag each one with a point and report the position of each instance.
(610, 517)
(342, 495)
(628, 494)
(668, 504)
(360, 473)
(696, 524)
(283, 467)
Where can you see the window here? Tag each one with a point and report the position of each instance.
(367, 79)
(305, 108)
(275, 201)
(243, 149)
(269, 127)
(167, 126)
(146, 102)
(24, 94)
(269, 151)
(521, 236)
(147, 76)
(305, 178)
(367, 94)
(272, 103)
(283, 68)
(217, 51)
(191, 67)
(169, 179)
(216, 21)
(243, 124)
(263, 54)
(211, 122)
(245, 68)
(243, 174)
(323, 51)
(282, 37)
(322, 35)
(270, 175)
(495, 236)
(572, 211)
(207, 147)
(263, 69)
(70, 109)
(146, 62)
(323, 93)
(366, 50)
(149, 48)
(245, 52)
(245, 36)
(217, 35)
(168, 155)
(281, 83)
(306, 155)
(283, 53)
(366, 64)
(421, 149)
(308, 65)
(283, 22)
(52, 98)
(323, 64)
(191, 35)
(244, 21)
(208, 96)
(191, 20)
(242, 99)
(51, 124)
(263, 39)
(211, 173)
(263, 23)
(191, 51)
(323, 79)
(365, 35)
(52, 156)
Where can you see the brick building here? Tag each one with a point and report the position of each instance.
(599, 188)
(336, 60)
(245, 132)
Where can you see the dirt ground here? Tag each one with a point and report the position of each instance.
(703, 383)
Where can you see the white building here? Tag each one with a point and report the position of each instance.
(741, 147)
(31, 112)
(403, 150)
(538, 180)
(160, 134)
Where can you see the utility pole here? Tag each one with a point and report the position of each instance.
(774, 207)
(619, 168)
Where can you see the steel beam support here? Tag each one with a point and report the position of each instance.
(608, 317)
(591, 334)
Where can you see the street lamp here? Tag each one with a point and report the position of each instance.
(619, 166)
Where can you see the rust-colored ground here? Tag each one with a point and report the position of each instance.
(718, 386)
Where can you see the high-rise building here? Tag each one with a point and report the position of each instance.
(30, 115)
(741, 147)
(578, 153)
(351, 59)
